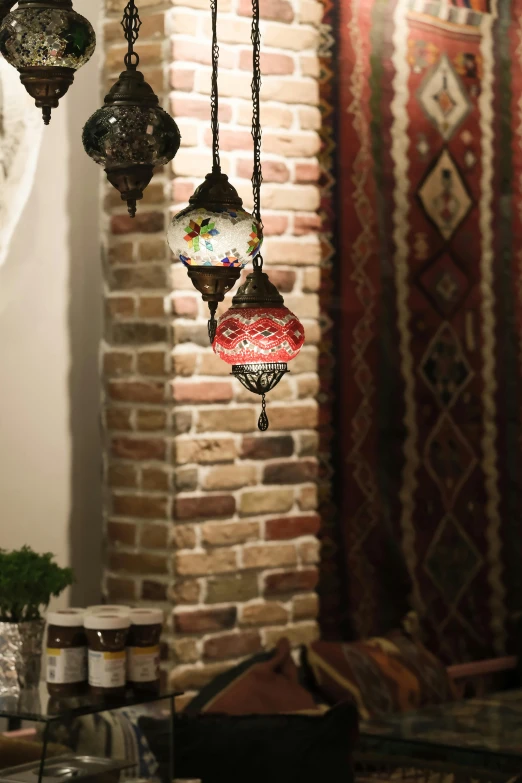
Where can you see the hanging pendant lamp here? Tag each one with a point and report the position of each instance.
(46, 41)
(258, 335)
(214, 236)
(131, 134)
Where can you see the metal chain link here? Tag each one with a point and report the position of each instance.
(257, 176)
(131, 24)
(214, 95)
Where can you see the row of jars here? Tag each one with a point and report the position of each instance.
(105, 647)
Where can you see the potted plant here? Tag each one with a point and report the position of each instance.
(27, 582)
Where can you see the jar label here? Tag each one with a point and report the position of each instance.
(143, 664)
(107, 669)
(66, 666)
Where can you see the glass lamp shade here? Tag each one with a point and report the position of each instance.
(258, 336)
(213, 236)
(46, 42)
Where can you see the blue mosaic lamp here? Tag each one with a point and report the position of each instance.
(46, 42)
(214, 236)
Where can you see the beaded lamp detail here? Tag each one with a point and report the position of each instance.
(46, 41)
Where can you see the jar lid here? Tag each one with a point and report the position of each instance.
(107, 608)
(66, 618)
(144, 616)
(106, 622)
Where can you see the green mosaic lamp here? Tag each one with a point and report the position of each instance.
(214, 237)
(46, 42)
(131, 134)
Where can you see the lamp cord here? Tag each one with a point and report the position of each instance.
(214, 94)
(257, 175)
(131, 24)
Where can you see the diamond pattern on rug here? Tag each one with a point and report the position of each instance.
(444, 196)
(444, 99)
(445, 285)
(449, 459)
(452, 560)
(444, 367)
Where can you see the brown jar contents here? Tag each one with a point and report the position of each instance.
(66, 653)
(143, 651)
(107, 637)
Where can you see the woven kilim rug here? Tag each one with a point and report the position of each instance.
(429, 172)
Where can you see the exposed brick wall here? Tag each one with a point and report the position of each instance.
(206, 516)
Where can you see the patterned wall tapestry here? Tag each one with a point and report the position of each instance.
(429, 166)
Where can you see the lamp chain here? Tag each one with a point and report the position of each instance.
(257, 176)
(131, 24)
(214, 95)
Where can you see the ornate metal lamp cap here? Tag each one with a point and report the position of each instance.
(131, 89)
(258, 291)
(45, 3)
(216, 191)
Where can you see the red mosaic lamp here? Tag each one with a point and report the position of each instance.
(258, 336)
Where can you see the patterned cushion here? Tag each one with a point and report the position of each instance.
(381, 675)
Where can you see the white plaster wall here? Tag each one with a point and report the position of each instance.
(50, 326)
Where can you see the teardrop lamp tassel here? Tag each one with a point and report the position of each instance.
(263, 423)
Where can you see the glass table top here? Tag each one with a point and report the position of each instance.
(492, 724)
(36, 705)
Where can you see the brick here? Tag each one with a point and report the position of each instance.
(122, 476)
(186, 306)
(307, 498)
(204, 450)
(122, 253)
(202, 391)
(264, 614)
(204, 507)
(194, 677)
(310, 118)
(291, 90)
(232, 84)
(182, 78)
(140, 506)
(274, 225)
(307, 361)
(186, 51)
(120, 589)
(280, 10)
(273, 171)
(296, 198)
(272, 116)
(229, 533)
(217, 561)
(223, 477)
(138, 448)
(155, 479)
(310, 66)
(154, 536)
(150, 54)
(182, 421)
(230, 140)
(293, 417)
(284, 279)
(117, 363)
(153, 26)
(151, 420)
(308, 444)
(307, 386)
(291, 581)
(292, 472)
(185, 591)
(190, 131)
(142, 563)
(151, 307)
(118, 419)
(304, 633)
(120, 306)
(310, 12)
(143, 223)
(198, 108)
(271, 64)
(131, 278)
(186, 479)
(136, 391)
(205, 620)
(152, 250)
(307, 172)
(182, 190)
(153, 591)
(311, 280)
(307, 224)
(229, 30)
(301, 38)
(267, 446)
(224, 5)
(309, 552)
(236, 587)
(196, 334)
(186, 650)
(266, 556)
(138, 333)
(305, 606)
(299, 253)
(152, 363)
(240, 419)
(232, 645)
(210, 364)
(184, 537)
(283, 528)
(190, 162)
(183, 22)
(121, 533)
(266, 501)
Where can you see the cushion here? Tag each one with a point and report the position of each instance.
(265, 685)
(383, 675)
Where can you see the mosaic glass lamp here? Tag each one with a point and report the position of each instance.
(258, 336)
(131, 134)
(214, 236)
(46, 42)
